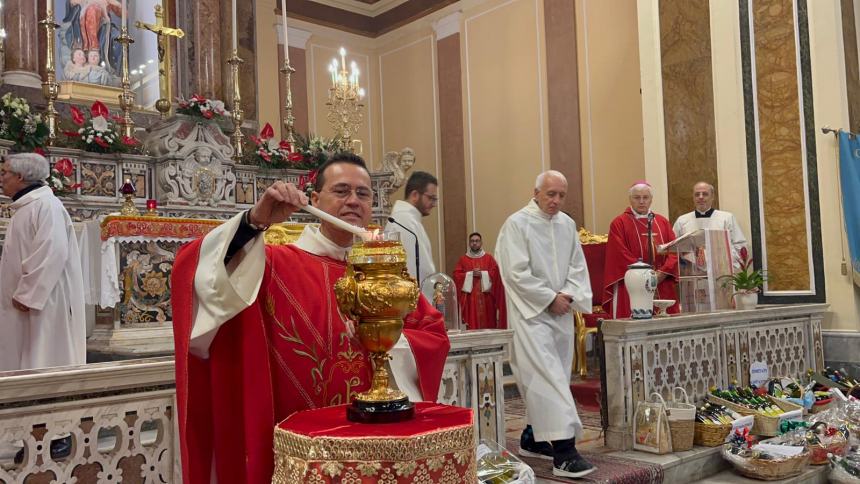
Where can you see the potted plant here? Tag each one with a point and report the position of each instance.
(746, 282)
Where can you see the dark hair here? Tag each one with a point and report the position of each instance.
(475, 233)
(342, 157)
(418, 181)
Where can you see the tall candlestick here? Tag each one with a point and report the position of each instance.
(124, 14)
(235, 25)
(286, 37)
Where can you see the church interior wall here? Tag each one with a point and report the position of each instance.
(269, 60)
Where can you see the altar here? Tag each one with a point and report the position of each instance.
(698, 351)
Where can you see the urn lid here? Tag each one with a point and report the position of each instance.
(639, 265)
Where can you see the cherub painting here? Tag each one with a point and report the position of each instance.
(87, 41)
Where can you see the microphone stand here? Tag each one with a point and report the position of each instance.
(417, 257)
(650, 240)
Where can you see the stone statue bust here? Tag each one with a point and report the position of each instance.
(398, 164)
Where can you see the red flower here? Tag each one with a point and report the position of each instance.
(267, 132)
(296, 158)
(99, 141)
(265, 155)
(99, 109)
(285, 145)
(77, 116)
(65, 167)
(207, 114)
(197, 97)
(129, 141)
(183, 105)
(39, 151)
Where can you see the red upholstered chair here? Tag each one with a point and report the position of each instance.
(594, 249)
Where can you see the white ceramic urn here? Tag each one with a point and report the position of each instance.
(641, 282)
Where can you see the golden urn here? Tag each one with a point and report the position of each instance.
(376, 293)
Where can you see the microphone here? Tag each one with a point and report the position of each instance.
(650, 240)
(417, 266)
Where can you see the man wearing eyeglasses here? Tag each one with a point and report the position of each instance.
(421, 195)
(259, 335)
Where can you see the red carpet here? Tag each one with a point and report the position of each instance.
(587, 394)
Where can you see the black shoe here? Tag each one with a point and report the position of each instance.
(576, 467)
(531, 448)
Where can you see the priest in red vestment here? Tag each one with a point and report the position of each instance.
(479, 288)
(628, 243)
(259, 336)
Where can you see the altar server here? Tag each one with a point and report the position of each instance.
(705, 216)
(628, 243)
(479, 288)
(421, 196)
(41, 286)
(259, 335)
(545, 278)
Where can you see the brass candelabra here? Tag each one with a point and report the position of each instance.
(237, 114)
(289, 119)
(50, 88)
(126, 98)
(345, 109)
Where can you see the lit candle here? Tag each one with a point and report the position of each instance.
(343, 58)
(333, 79)
(124, 14)
(235, 29)
(335, 221)
(151, 205)
(284, 18)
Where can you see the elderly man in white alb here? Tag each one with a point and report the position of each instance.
(705, 216)
(41, 286)
(545, 276)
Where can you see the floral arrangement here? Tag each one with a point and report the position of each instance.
(18, 124)
(100, 133)
(270, 153)
(202, 107)
(60, 180)
(315, 150)
(745, 279)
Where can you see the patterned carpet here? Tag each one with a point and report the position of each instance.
(610, 470)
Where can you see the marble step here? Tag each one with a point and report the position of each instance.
(682, 467)
(813, 475)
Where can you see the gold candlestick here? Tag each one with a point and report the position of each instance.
(50, 88)
(289, 119)
(345, 109)
(237, 113)
(126, 98)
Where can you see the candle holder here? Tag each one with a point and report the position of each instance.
(237, 114)
(127, 190)
(151, 208)
(126, 98)
(50, 88)
(345, 109)
(289, 119)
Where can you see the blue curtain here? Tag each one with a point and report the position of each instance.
(849, 173)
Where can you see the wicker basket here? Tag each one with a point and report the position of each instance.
(818, 377)
(764, 424)
(821, 405)
(682, 417)
(711, 435)
(768, 470)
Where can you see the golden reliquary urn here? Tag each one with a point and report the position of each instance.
(376, 293)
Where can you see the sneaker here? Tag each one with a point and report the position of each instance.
(531, 448)
(576, 467)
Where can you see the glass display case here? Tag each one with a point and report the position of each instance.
(441, 291)
(704, 258)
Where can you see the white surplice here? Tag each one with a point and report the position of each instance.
(409, 216)
(718, 220)
(221, 292)
(540, 256)
(41, 269)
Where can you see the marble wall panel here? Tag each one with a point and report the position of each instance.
(852, 63)
(780, 129)
(688, 99)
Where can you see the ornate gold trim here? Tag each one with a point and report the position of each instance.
(586, 237)
(284, 233)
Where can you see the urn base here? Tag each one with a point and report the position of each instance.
(380, 412)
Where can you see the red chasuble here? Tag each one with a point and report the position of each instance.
(288, 351)
(481, 310)
(628, 242)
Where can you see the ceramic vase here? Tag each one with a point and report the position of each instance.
(641, 282)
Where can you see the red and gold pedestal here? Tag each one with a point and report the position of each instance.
(322, 446)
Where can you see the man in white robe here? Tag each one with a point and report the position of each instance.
(545, 278)
(705, 216)
(41, 286)
(421, 195)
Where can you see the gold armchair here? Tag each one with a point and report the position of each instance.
(594, 249)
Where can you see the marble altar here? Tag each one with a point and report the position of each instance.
(697, 351)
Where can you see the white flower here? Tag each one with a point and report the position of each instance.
(80, 131)
(100, 123)
(273, 145)
(218, 106)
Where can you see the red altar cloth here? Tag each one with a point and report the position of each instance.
(321, 446)
(155, 227)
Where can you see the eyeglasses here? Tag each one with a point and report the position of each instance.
(343, 192)
(433, 198)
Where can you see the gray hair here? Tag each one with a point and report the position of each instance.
(710, 187)
(542, 177)
(639, 186)
(32, 167)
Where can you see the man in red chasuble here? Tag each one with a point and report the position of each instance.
(628, 243)
(479, 288)
(258, 332)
